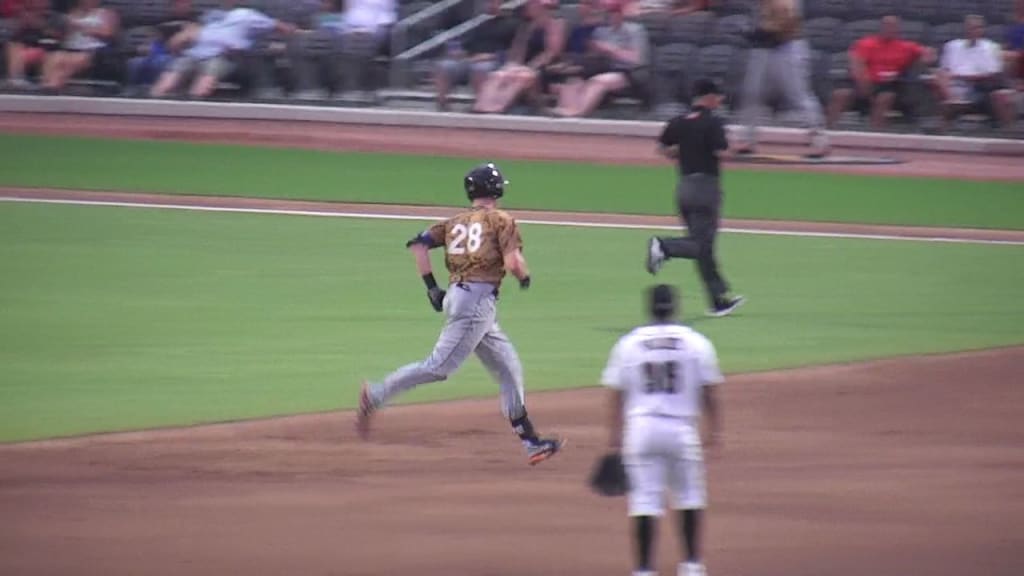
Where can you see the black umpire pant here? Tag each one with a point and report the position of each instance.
(699, 197)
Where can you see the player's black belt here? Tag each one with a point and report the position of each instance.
(465, 286)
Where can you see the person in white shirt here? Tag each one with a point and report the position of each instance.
(971, 76)
(212, 46)
(370, 17)
(662, 377)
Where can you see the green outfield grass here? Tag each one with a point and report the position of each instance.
(172, 167)
(118, 318)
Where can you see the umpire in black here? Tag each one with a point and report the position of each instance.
(695, 139)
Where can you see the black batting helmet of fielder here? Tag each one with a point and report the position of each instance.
(485, 181)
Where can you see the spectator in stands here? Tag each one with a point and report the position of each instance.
(623, 45)
(579, 60)
(371, 17)
(880, 65)
(1014, 49)
(36, 33)
(331, 16)
(90, 28)
(539, 41)
(10, 8)
(479, 55)
(213, 48)
(157, 54)
(971, 76)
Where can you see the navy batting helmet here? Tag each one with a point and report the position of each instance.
(485, 181)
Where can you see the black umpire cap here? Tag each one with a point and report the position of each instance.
(663, 300)
(705, 87)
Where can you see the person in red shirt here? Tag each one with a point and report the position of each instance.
(879, 66)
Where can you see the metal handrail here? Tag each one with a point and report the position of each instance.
(398, 33)
(398, 68)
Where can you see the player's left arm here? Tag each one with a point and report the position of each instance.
(711, 377)
(420, 247)
(668, 141)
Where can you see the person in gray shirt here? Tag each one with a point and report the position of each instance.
(625, 52)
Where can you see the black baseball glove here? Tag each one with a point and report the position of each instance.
(436, 296)
(609, 476)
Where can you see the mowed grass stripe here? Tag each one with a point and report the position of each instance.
(223, 170)
(123, 319)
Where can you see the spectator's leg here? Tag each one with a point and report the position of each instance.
(210, 74)
(570, 97)
(880, 107)
(1003, 108)
(74, 63)
(519, 81)
(478, 72)
(51, 68)
(136, 71)
(172, 77)
(839, 103)
(494, 90)
(446, 73)
(753, 92)
(597, 88)
(15, 61)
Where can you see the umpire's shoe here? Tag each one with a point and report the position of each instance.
(655, 255)
(726, 306)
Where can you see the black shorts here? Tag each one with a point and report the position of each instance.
(864, 103)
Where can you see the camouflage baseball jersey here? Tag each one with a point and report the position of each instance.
(475, 243)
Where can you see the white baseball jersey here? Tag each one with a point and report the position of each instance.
(662, 368)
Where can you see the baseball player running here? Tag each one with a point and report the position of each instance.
(660, 375)
(480, 246)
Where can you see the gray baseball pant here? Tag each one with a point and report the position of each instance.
(470, 327)
(784, 70)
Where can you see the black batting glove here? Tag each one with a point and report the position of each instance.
(524, 283)
(436, 296)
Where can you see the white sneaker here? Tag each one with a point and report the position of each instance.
(820, 146)
(645, 574)
(655, 255)
(692, 569)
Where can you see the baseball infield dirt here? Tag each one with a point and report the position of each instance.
(897, 467)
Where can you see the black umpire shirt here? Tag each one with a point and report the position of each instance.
(700, 136)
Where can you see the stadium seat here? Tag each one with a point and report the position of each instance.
(839, 67)
(950, 10)
(691, 29)
(658, 28)
(924, 10)
(731, 30)
(856, 30)
(825, 34)
(996, 33)
(945, 32)
(917, 31)
(999, 11)
(731, 7)
(673, 72)
(717, 62)
(840, 9)
(879, 8)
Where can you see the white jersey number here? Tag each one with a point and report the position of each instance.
(466, 239)
(662, 378)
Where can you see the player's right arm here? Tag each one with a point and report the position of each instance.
(614, 378)
(510, 242)
(668, 141)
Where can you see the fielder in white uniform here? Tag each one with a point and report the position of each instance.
(661, 375)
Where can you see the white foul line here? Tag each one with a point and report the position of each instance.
(566, 223)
